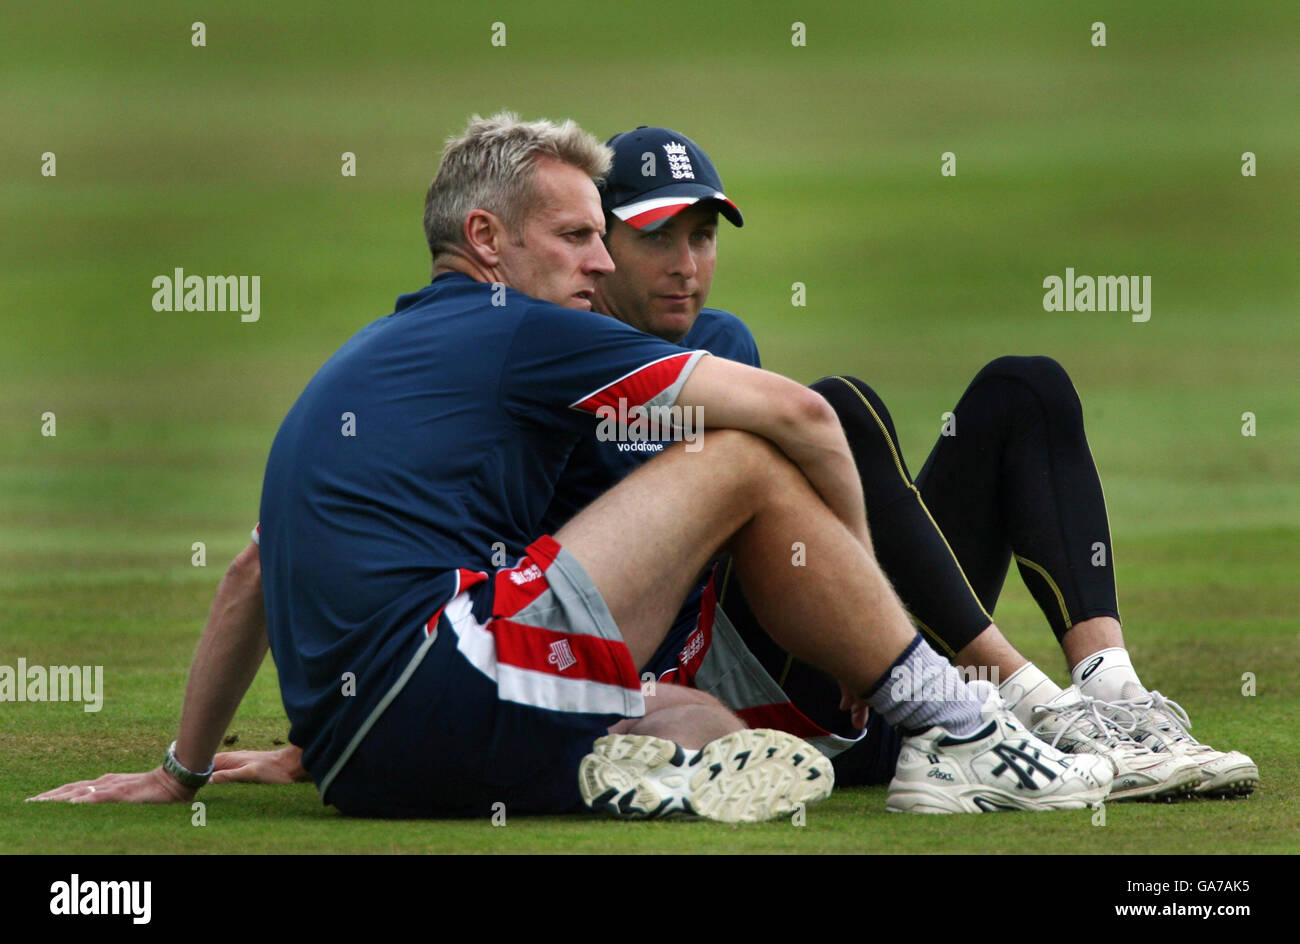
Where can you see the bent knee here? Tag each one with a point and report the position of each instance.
(856, 404)
(847, 393)
(1042, 377)
(754, 465)
(742, 449)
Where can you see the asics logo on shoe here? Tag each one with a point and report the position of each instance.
(1021, 763)
(938, 774)
(1091, 667)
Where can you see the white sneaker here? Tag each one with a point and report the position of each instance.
(743, 777)
(1074, 723)
(999, 767)
(1163, 726)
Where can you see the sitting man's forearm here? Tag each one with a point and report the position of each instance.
(230, 652)
(229, 655)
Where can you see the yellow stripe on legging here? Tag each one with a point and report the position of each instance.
(1051, 583)
(934, 637)
(898, 464)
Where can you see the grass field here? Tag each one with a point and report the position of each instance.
(1124, 159)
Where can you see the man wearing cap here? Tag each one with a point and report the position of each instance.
(423, 676)
(1018, 481)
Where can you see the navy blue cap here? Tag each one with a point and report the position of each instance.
(657, 173)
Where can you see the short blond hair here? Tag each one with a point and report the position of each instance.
(492, 167)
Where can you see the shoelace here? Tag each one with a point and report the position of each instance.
(1111, 731)
(1170, 716)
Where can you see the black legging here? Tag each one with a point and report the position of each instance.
(1015, 478)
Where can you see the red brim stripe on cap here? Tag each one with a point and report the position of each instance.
(642, 220)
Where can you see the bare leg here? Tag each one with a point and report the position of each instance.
(834, 610)
(990, 648)
(1083, 639)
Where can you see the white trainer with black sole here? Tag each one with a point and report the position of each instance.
(1077, 724)
(744, 777)
(1163, 726)
(1000, 767)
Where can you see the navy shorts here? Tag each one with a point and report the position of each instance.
(515, 678)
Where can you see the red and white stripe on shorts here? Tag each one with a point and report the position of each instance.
(551, 642)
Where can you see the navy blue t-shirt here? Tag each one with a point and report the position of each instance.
(597, 465)
(431, 439)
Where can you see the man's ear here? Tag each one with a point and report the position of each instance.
(484, 234)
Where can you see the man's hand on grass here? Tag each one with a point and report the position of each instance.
(282, 766)
(858, 709)
(156, 786)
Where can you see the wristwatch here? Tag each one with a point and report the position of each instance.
(187, 778)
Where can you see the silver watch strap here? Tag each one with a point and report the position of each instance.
(187, 777)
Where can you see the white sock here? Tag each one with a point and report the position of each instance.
(1104, 674)
(922, 690)
(1026, 687)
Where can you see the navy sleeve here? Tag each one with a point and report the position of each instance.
(564, 364)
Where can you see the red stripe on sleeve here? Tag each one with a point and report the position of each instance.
(639, 387)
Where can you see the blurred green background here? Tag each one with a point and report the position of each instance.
(226, 160)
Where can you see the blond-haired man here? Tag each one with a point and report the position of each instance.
(438, 654)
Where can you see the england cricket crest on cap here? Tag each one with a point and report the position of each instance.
(561, 655)
(679, 162)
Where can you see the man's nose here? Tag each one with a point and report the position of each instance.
(683, 260)
(600, 262)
